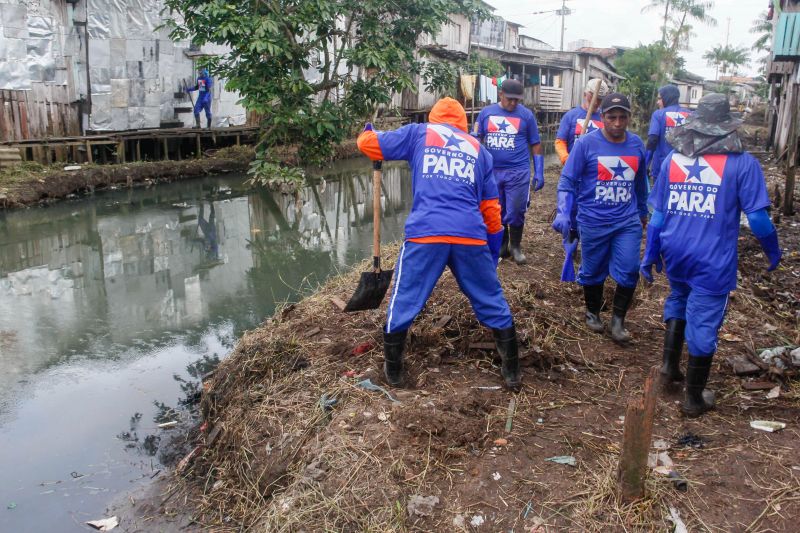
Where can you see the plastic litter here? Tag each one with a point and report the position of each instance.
(496, 476)
(767, 425)
(774, 392)
(477, 520)
(367, 384)
(421, 505)
(327, 403)
(106, 524)
(690, 440)
(563, 460)
(675, 518)
(678, 481)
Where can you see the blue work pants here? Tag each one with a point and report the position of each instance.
(611, 249)
(703, 314)
(419, 267)
(514, 188)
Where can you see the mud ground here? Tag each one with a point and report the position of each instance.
(294, 444)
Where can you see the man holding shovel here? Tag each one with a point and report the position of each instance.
(510, 133)
(571, 126)
(454, 222)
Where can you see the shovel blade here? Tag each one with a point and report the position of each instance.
(371, 289)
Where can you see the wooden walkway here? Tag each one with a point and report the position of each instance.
(132, 145)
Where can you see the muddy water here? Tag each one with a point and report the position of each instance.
(112, 307)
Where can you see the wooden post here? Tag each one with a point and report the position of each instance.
(791, 155)
(198, 148)
(166, 148)
(638, 432)
(138, 149)
(121, 152)
(89, 152)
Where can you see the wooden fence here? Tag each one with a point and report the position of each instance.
(44, 111)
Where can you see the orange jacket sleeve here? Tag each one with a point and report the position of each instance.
(561, 150)
(368, 144)
(490, 209)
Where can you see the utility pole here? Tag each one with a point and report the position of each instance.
(728, 32)
(563, 12)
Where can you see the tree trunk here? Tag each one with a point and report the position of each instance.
(791, 156)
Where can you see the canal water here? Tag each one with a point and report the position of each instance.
(112, 307)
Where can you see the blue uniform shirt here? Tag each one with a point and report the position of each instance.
(702, 199)
(451, 175)
(661, 122)
(204, 84)
(508, 136)
(571, 126)
(608, 179)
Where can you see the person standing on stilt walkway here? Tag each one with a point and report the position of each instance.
(203, 103)
(510, 133)
(454, 222)
(701, 190)
(605, 177)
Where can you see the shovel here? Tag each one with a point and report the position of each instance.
(373, 285)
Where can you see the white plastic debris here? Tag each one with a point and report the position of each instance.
(773, 356)
(496, 476)
(458, 521)
(774, 392)
(477, 520)
(421, 505)
(675, 518)
(795, 354)
(767, 425)
(70, 168)
(106, 524)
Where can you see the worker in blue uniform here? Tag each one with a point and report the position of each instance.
(509, 132)
(454, 222)
(605, 177)
(669, 115)
(701, 190)
(203, 103)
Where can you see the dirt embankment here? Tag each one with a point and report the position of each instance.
(32, 184)
(294, 443)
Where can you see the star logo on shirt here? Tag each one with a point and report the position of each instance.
(694, 170)
(619, 170)
(590, 127)
(503, 126)
(452, 142)
(679, 120)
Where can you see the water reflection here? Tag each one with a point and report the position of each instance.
(103, 300)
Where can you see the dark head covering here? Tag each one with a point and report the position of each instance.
(670, 95)
(711, 129)
(512, 89)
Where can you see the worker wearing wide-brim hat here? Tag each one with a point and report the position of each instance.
(701, 189)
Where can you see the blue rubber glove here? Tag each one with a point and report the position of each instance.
(368, 126)
(652, 253)
(771, 249)
(568, 269)
(562, 222)
(495, 242)
(538, 172)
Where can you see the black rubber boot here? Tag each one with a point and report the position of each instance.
(623, 297)
(197, 121)
(593, 296)
(393, 345)
(504, 251)
(697, 400)
(506, 341)
(515, 245)
(673, 346)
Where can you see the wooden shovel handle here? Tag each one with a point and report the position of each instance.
(377, 175)
(592, 105)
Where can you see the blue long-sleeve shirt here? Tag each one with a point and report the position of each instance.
(203, 87)
(608, 179)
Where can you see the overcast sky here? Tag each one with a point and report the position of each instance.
(620, 22)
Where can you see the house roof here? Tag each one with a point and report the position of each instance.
(602, 52)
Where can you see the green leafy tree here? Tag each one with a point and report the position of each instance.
(641, 68)
(312, 70)
(726, 57)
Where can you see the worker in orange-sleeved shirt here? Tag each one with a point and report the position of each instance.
(454, 222)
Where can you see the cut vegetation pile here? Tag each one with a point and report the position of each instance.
(293, 443)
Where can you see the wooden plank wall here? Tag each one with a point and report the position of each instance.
(44, 111)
